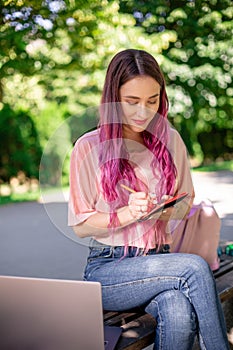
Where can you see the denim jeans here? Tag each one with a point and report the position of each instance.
(177, 289)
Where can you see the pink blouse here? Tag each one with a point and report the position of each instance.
(85, 194)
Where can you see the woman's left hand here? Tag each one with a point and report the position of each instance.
(166, 214)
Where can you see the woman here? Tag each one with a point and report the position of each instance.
(134, 146)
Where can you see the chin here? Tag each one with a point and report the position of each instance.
(137, 129)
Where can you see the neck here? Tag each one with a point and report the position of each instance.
(132, 135)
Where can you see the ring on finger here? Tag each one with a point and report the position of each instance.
(164, 211)
(143, 208)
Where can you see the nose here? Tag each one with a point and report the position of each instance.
(141, 110)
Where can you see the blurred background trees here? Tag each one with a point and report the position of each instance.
(53, 58)
(198, 67)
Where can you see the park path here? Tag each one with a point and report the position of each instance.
(36, 242)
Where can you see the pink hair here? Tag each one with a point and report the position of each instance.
(113, 158)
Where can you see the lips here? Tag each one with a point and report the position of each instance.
(139, 121)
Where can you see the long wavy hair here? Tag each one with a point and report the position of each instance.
(114, 158)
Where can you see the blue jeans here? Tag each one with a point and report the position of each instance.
(177, 289)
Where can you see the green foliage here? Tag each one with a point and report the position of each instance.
(20, 146)
(55, 137)
(217, 166)
(19, 197)
(53, 58)
(197, 65)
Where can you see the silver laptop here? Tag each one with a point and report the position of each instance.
(47, 314)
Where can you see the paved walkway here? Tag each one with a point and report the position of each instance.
(36, 242)
(218, 187)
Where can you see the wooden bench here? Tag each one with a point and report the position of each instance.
(138, 327)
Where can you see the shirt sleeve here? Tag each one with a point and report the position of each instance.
(83, 182)
(183, 181)
(180, 156)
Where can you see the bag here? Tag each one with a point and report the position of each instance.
(199, 233)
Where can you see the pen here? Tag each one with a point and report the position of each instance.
(128, 188)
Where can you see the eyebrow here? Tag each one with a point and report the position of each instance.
(137, 98)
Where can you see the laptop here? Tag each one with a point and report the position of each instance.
(51, 314)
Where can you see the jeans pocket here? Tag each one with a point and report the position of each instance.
(96, 258)
(101, 252)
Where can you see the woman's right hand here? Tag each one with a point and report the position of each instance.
(139, 204)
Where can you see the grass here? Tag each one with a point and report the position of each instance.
(20, 197)
(218, 166)
(35, 195)
(29, 196)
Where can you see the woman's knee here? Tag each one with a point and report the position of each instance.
(198, 263)
(195, 266)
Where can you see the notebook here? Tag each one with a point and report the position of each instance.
(47, 314)
(163, 205)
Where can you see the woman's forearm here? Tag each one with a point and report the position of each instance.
(97, 224)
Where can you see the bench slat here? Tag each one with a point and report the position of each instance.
(138, 333)
(122, 318)
(224, 285)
